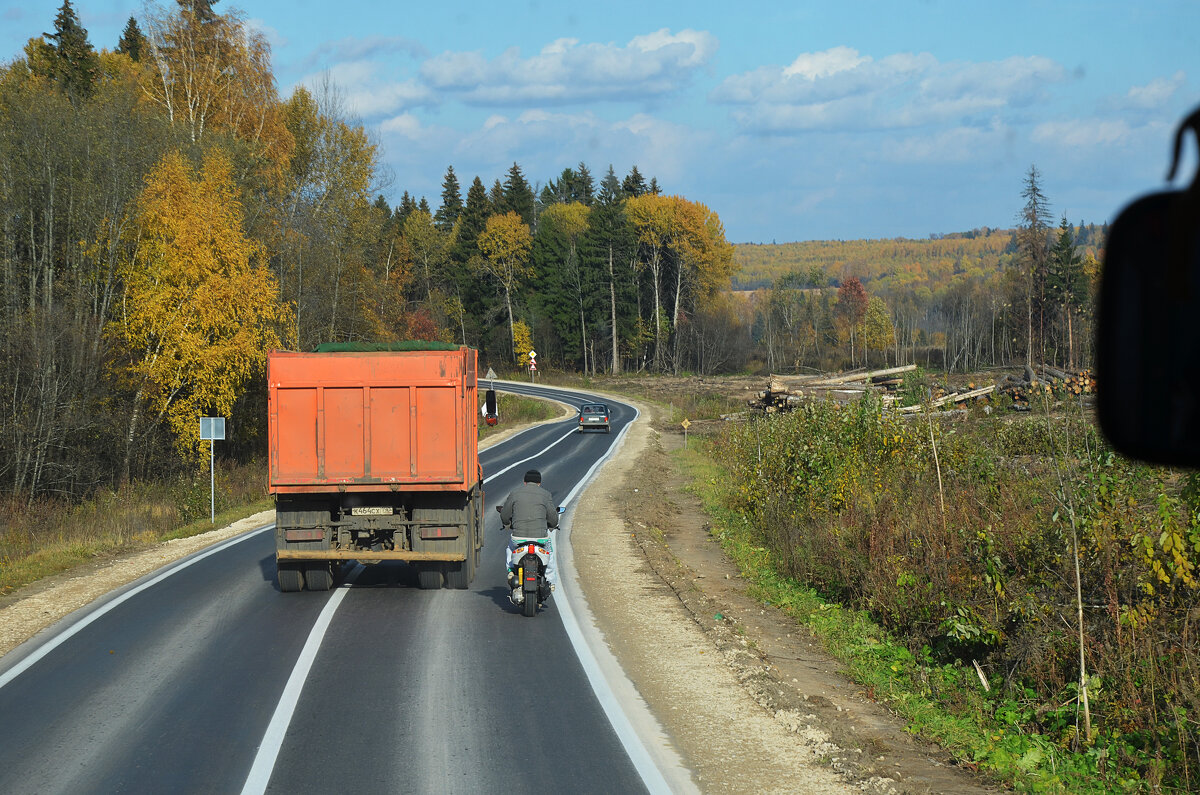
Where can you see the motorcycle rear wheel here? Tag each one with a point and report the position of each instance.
(529, 606)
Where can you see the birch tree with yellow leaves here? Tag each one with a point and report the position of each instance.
(199, 309)
(504, 244)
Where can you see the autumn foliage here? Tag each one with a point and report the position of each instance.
(198, 310)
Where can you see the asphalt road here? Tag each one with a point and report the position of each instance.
(204, 678)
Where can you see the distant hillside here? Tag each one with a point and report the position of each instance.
(889, 263)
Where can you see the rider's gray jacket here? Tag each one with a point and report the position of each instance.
(530, 510)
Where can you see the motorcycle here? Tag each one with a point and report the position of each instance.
(528, 580)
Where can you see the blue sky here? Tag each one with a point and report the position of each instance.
(792, 120)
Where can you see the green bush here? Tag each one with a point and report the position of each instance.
(847, 501)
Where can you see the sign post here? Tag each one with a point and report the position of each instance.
(212, 428)
(532, 365)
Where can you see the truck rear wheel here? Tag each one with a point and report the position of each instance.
(318, 577)
(291, 579)
(429, 576)
(457, 575)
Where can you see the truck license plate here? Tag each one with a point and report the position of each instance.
(371, 510)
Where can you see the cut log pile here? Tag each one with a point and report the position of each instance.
(786, 392)
(1046, 380)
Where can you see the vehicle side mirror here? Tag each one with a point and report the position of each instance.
(498, 507)
(1148, 334)
(562, 509)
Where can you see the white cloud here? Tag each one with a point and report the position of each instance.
(1082, 133)
(566, 71)
(406, 125)
(953, 145)
(810, 65)
(1155, 95)
(276, 39)
(366, 93)
(840, 89)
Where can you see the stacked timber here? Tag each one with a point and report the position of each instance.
(786, 392)
(1046, 381)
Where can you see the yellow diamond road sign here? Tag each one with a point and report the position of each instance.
(685, 424)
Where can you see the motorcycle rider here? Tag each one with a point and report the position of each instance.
(530, 512)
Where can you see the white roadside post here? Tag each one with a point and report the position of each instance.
(212, 428)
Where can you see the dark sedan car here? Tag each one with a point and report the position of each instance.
(594, 415)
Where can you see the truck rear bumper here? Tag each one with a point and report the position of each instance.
(367, 554)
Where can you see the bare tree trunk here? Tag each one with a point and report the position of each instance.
(612, 299)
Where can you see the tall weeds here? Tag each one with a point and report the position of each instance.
(847, 500)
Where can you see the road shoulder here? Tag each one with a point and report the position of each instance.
(749, 698)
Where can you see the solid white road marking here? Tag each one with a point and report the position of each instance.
(272, 742)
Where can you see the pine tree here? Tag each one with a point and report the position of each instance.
(452, 205)
(654, 189)
(1032, 254)
(518, 196)
(1066, 283)
(405, 208)
(496, 197)
(423, 206)
(607, 249)
(132, 41)
(76, 65)
(610, 188)
(586, 191)
(473, 302)
(201, 10)
(634, 184)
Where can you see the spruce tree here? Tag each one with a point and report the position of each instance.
(518, 196)
(201, 10)
(76, 65)
(607, 250)
(634, 184)
(132, 41)
(470, 292)
(1032, 252)
(452, 205)
(1066, 283)
(405, 208)
(586, 191)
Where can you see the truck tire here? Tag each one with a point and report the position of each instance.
(429, 576)
(460, 575)
(318, 576)
(291, 579)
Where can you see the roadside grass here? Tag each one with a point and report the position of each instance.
(49, 537)
(516, 410)
(944, 703)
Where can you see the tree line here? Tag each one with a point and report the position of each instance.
(977, 300)
(166, 218)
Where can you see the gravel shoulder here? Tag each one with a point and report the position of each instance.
(750, 699)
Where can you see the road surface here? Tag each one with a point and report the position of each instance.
(203, 677)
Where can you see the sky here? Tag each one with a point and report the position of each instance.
(810, 120)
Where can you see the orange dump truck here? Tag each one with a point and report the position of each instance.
(374, 456)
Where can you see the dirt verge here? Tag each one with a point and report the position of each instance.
(750, 699)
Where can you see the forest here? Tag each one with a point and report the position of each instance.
(166, 218)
